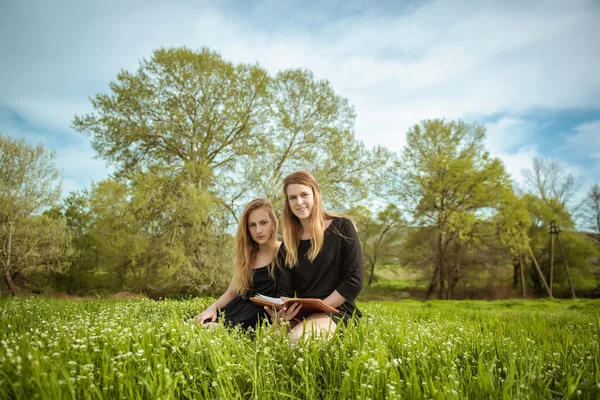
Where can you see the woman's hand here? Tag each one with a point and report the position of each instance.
(209, 314)
(285, 313)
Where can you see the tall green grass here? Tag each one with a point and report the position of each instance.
(143, 349)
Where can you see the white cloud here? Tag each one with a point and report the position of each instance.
(505, 134)
(585, 139)
(516, 162)
(80, 166)
(584, 142)
(49, 113)
(435, 59)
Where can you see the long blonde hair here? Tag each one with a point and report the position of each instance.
(246, 248)
(292, 228)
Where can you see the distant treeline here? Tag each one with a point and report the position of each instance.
(193, 137)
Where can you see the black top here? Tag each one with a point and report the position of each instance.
(339, 266)
(241, 310)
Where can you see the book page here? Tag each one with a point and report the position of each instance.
(273, 300)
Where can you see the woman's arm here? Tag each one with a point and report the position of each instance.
(211, 311)
(353, 267)
(335, 299)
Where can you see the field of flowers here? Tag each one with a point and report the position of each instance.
(111, 349)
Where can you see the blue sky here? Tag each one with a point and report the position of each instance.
(528, 70)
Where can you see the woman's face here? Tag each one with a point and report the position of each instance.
(301, 200)
(260, 225)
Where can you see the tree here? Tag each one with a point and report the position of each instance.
(447, 180)
(591, 208)
(548, 180)
(41, 249)
(308, 127)
(173, 131)
(182, 110)
(29, 182)
(193, 137)
(151, 236)
(511, 224)
(378, 236)
(578, 249)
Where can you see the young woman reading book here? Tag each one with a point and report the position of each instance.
(322, 258)
(256, 247)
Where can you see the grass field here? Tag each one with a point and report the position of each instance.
(109, 349)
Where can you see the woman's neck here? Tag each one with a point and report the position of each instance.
(305, 227)
(267, 248)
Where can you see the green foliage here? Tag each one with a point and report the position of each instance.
(550, 189)
(591, 209)
(192, 138)
(309, 127)
(42, 248)
(579, 250)
(181, 110)
(31, 243)
(450, 184)
(379, 236)
(154, 236)
(29, 181)
(512, 222)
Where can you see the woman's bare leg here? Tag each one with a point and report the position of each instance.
(318, 325)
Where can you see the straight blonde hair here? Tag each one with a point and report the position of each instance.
(246, 248)
(292, 228)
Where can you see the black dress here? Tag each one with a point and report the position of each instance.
(241, 311)
(339, 266)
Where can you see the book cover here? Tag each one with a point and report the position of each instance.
(308, 304)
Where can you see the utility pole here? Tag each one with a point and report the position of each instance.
(553, 231)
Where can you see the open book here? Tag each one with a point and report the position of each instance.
(307, 304)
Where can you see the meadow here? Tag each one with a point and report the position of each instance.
(145, 349)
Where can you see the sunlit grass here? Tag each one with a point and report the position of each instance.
(102, 349)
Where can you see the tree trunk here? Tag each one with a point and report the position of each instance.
(10, 284)
(7, 278)
(522, 275)
(438, 275)
(443, 271)
(442, 292)
(372, 273)
(433, 284)
(453, 280)
(515, 280)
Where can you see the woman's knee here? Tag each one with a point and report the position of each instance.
(316, 325)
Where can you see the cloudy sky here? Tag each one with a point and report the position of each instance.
(528, 70)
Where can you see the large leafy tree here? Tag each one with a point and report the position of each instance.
(309, 127)
(448, 181)
(182, 110)
(29, 183)
(173, 131)
(193, 137)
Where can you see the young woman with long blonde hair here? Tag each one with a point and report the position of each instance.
(256, 247)
(323, 258)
